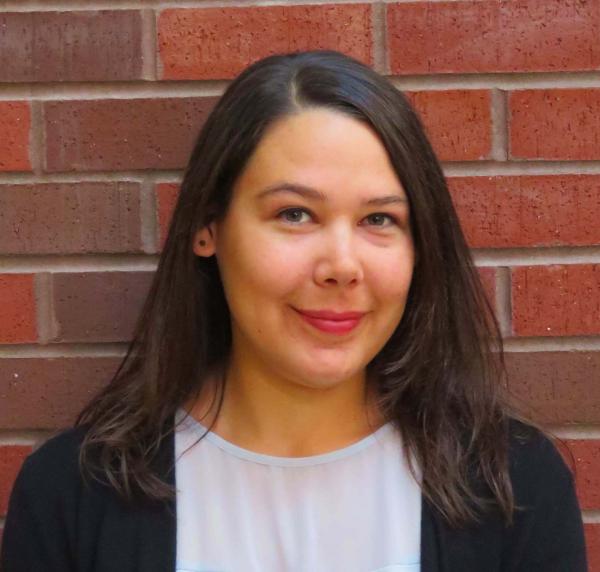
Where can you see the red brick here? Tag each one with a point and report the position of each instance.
(508, 212)
(166, 199)
(557, 300)
(560, 124)
(48, 393)
(458, 122)
(71, 46)
(78, 218)
(15, 122)
(592, 540)
(98, 306)
(586, 453)
(113, 134)
(487, 276)
(217, 43)
(17, 309)
(11, 459)
(493, 36)
(556, 387)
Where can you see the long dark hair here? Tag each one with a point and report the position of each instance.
(440, 376)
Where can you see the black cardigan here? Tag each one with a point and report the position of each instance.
(55, 524)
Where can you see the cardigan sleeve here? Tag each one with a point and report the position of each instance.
(39, 526)
(550, 535)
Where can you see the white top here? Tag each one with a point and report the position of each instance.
(356, 509)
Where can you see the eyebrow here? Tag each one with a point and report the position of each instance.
(310, 193)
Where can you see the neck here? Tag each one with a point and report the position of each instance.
(279, 417)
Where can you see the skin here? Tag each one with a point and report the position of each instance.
(293, 390)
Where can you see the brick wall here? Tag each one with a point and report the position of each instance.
(100, 102)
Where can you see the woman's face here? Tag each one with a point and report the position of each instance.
(301, 235)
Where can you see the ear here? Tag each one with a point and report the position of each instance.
(205, 241)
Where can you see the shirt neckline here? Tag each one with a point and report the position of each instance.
(191, 423)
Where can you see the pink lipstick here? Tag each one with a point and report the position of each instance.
(330, 321)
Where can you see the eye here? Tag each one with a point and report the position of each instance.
(292, 215)
(376, 218)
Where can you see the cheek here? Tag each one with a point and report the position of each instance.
(260, 271)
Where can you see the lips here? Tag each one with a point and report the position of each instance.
(330, 321)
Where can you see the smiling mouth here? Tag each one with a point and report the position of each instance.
(336, 326)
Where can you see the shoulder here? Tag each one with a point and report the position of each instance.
(54, 464)
(536, 466)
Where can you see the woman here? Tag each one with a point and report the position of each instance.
(316, 368)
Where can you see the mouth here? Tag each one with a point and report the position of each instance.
(332, 323)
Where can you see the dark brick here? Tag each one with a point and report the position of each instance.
(98, 306)
(122, 134)
(77, 218)
(556, 387)
(70, 46)
(48, 393)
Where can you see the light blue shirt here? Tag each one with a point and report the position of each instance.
(356, 509)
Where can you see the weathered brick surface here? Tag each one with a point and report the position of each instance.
(17, 309)
(11, 459)
(555, 124)
(557, 300)
(556, 387)
(122, 134)
(70, 46)
(15, 121)
(488, 280)
(98, 306)
(586, 453)
(508, 212)
(592, 540)
(166, 198)
(493, 36)
(217, 43)
(77, 218)
(48, 393)
(458, 122)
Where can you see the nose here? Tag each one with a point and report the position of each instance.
(337, 259)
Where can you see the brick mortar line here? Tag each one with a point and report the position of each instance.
(455, 169)
(52, 91)
(118, 349)
(43, 307)
(503, 300)
(500, 140)
(26, 437)
(37, 138)
(552, 344)
(591, 516)
(149, 39)
(534, 256)
(537, 256)
(576, 432)
(78, 263)
(148, 218)
(379, 32)
(32, 6)
(66, 350)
